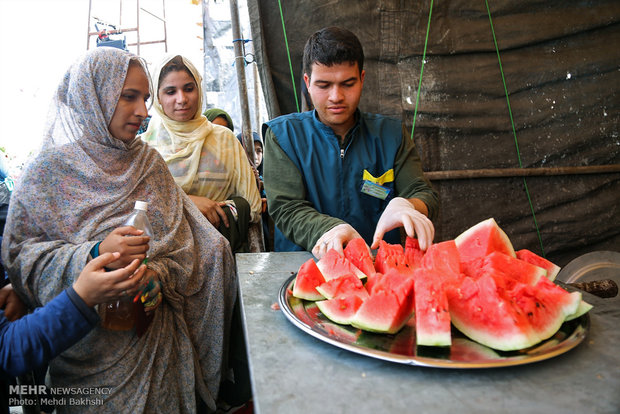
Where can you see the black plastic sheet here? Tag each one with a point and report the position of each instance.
(561, 65)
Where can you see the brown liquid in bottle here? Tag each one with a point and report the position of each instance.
(118, 315)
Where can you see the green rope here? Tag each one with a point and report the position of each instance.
(514, 132)
(288, 53)
(417, 97)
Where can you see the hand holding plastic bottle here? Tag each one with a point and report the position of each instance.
(401, 213)
(334, 239)
(130, 248)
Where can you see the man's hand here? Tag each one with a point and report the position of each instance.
(130, 248)
(334, 239)
(13, 306)
(212, 210)
(401, 213)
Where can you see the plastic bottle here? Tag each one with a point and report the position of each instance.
(119, 315)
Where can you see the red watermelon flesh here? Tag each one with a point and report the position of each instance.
(512, 267)
(346, 285)
(308, 278)
(389, 256)
(333, 265)
(413, 254)
(341, 309)
(478, 311)
(509, 319)
(358, 253)
(383, 312)
(531, 257)
(482, 239)
(546, 305)
(444, 260)
(399, 280)
(432, 316)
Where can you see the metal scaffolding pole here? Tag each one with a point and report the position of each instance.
(239, 44)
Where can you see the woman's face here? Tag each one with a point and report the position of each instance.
(258, 153)
(131, 107)
(220, 120)
(178, 95)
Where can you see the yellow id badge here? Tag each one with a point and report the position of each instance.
(373, 185)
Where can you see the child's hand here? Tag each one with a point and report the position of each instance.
(13, 306)
(130, 248)
(95, 285)
(153, 297)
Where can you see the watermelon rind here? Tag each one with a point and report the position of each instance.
(333, 265)
(341, 309)
(531, 257)
(583, 308)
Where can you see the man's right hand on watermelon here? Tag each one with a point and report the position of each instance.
(400, 212)
(334, 239)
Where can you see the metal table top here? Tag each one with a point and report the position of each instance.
(292, 371)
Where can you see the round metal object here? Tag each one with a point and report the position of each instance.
(592, 266)
(401, 347)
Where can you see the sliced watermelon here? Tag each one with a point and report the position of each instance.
(444, 260)
(531, 257)
(308, 278)
(383, 312)
(512, 319)
(413, 254)
(341, 309)
(346, 285)
(358, 253)
(546, 306)
(389, 256)
(512, 267)
(478, 311)
(432, 316)
(399, 280)
(333, 265)
(582, 309)
(482, 239)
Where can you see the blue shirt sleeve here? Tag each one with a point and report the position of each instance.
(33, 340)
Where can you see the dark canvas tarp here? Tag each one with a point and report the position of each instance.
(561, 66)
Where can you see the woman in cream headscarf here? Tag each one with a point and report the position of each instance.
(206, 160)
(75, 196)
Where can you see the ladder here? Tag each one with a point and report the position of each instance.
(110, 29)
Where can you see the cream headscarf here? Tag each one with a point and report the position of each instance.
(183, 140)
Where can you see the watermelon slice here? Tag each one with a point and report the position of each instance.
(340, 309)
(582, 309)
(346, 285)
(413, 254)
(531, 257)
(399, 280)
(444, 260)
(383, 312)
(308, 278)
(358, 253)
(482, 239)
(513, 319)
(389, 256)
(333, 265)
(432, 316)
(512, 267)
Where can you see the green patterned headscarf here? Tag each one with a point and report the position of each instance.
(213, 113)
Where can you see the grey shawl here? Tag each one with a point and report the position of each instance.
(81, 186)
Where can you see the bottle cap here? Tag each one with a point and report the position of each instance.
(141, 205)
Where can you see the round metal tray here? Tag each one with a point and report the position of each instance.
(401, 347)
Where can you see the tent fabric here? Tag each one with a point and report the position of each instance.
(560, 62)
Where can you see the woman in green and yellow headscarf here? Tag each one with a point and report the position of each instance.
(219, 117)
